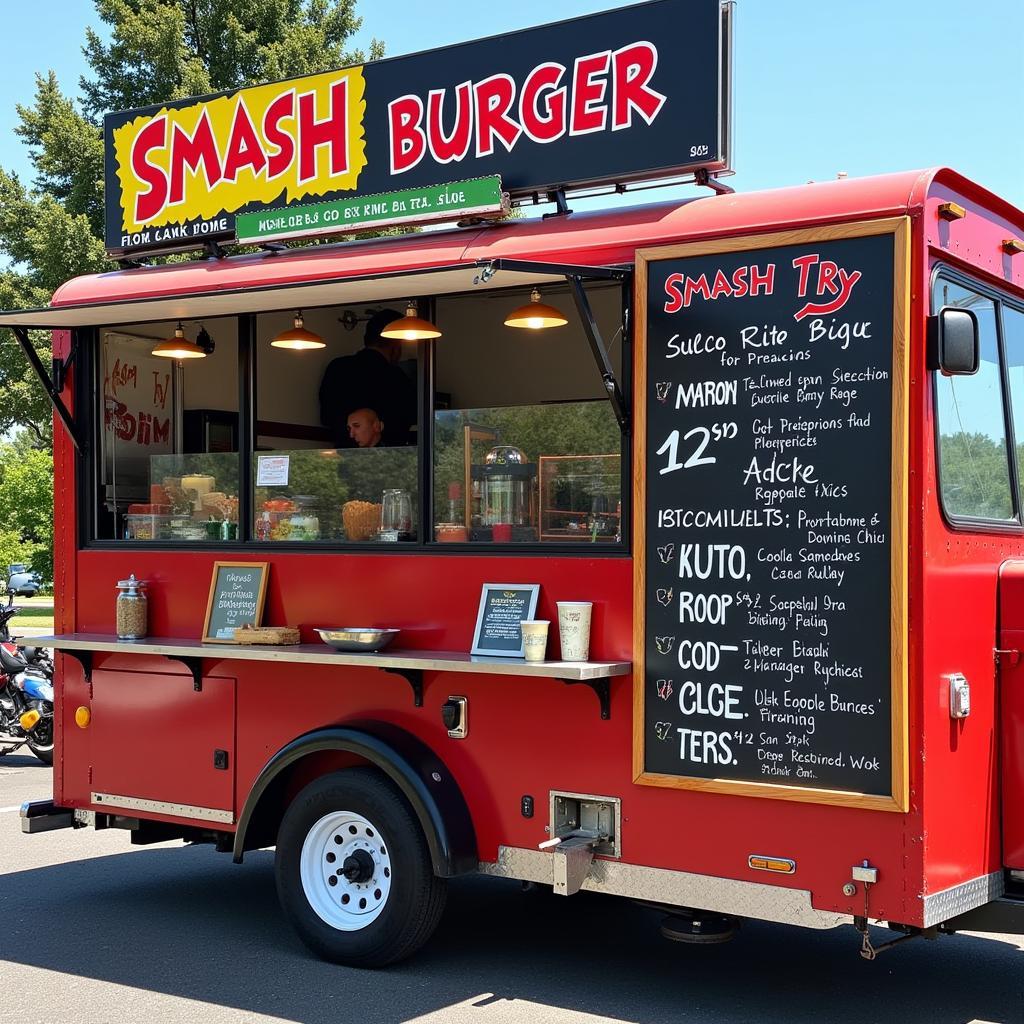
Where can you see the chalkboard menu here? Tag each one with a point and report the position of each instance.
(503, 607)
(771, 443)
(236, 599)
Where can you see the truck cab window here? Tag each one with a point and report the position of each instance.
(168, 435)
(335, 455)
(526, 445)
(1013, 344)
(974, 472)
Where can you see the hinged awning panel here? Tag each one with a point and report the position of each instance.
(337, 291)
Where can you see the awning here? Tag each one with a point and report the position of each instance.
(335, 291)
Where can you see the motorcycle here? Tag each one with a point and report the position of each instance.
(26, 692)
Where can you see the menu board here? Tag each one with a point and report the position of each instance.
(503, 607)
(236, 599)
(771, 441)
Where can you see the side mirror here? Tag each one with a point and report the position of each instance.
(954, 342)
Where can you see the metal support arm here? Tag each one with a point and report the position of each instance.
(414, 677)
(194, 665)
(52, 391)
(602, 687)
(598, 348)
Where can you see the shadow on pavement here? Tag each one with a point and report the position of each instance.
(187, 922)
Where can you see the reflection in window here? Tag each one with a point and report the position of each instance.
(329, 494)
(168, 468)
(973, 466)
(528, 473)
(526, 445)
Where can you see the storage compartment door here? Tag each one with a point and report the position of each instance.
(163, 746)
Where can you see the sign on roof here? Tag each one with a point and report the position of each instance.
(634, 94)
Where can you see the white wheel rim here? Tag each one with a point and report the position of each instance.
(343, 904)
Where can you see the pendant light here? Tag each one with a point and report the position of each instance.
(297, 337)
(411, 327)
(536, 315)
(179, 347)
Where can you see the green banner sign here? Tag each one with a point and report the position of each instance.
(409, 206)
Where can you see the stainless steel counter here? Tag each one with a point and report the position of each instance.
(410, 664)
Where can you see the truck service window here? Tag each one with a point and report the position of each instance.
(974, 472)
(526, 445)
(168, 435)
(335, 454)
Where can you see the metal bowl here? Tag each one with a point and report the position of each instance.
(358, 638)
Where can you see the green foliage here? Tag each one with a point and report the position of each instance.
(975, 475)
(166, 49)
(26, 498)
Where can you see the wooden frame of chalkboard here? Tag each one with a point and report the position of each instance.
(264, 571)
(896, 796)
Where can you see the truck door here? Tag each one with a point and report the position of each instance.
(1011, 711)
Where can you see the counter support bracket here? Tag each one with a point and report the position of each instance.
(194, 665)
(414, 677)
(84, 658)
(602, 687)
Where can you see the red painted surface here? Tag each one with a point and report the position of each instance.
(1011, 710)
(145, 723)
(531, 736)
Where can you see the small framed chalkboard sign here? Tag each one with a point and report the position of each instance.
(503, 606)
(770, 644)
(236, 599)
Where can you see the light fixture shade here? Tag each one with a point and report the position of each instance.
(178, 347)
(297, 337)
(536, 315)
(411, 327)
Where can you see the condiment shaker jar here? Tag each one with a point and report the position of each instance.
(132, 609)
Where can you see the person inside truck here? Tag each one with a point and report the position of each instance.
(365, 428)
(369, 379)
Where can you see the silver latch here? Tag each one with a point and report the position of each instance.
(864, 872)
(959, 696)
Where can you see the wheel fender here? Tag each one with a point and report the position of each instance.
(420, 775)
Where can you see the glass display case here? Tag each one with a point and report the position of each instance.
(580, 497)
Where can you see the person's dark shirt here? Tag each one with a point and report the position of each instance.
(366, 380)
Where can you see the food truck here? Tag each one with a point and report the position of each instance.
(768, 440)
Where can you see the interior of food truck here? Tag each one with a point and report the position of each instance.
(261, 434)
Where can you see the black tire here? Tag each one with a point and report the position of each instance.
(44, 753)
(40, 740)
(414, 898)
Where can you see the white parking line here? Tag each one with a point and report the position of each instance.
(4, 810)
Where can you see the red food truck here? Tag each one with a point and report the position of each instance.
(768, 439)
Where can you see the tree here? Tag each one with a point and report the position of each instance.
(52, 229)
(26, 496)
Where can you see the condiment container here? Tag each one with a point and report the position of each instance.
(132, 609)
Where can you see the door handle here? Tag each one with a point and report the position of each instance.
(1012, 655)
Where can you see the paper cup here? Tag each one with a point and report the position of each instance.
(574, 629)
(535, 638)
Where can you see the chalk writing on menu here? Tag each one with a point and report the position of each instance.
(502, 609)
(768, 536)
(237, 594)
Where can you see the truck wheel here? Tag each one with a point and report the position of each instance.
(353, 871)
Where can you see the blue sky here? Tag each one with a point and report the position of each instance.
(821, 86)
